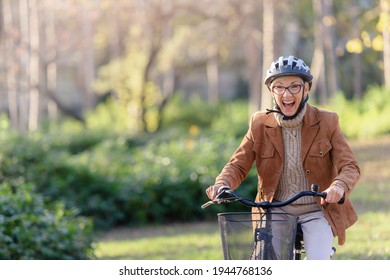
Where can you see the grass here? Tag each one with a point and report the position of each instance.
(368, 239)
(170, 242)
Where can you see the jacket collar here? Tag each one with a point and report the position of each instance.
(311, 118)
(310, 129)
(271, 121)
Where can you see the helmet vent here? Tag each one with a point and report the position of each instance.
(288, 65)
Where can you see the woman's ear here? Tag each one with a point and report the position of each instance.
(306, 88)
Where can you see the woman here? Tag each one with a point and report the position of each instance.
(296, 145)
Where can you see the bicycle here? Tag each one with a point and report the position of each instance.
(261, 232)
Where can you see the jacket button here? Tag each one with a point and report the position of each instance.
(307, 171)
(321, 154)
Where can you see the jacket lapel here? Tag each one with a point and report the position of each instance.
(274, 133)
(310, 129)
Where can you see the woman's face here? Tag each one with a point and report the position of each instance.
(288, 99)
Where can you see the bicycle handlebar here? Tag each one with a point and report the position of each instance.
(226, 195)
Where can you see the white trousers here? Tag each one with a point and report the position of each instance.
(317, 236)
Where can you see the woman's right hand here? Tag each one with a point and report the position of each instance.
(213, 191)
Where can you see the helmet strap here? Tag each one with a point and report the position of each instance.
(301, 106)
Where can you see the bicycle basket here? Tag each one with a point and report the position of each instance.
(257, 236)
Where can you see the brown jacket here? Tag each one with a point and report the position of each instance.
(326, 157)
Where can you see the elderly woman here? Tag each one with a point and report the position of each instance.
(295, 145)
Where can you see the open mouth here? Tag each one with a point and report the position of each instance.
(288, 104)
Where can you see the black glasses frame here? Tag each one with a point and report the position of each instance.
(297, 86)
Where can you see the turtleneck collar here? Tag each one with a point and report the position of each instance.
(295, 122)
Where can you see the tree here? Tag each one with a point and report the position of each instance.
(268, 48)
(133, 77)
(10, 61)
(144, 50)
(28, 46)
(251, 35)
(384, 21)
(34, 67)
(324, 74)
(370, 31)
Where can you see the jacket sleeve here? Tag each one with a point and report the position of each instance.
(240, 163)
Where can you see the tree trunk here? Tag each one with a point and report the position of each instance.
(11, 63)
(385, 9)
(268, 50)
(317, 65)
(213, 74)
(34, 63)
(356, 59)
(24, 60)
(252, 58)
(49, 67)
(88, 61)
(146, 78)
(169, 81)
(329, 47)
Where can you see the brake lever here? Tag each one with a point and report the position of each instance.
(223, 192)
(222, 196)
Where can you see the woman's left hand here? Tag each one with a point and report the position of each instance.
(334, 193)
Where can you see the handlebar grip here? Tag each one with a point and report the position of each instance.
(315, 187)
(207, 204)
(222, 189)
(221, 193)
(322, 194)
(341, 201)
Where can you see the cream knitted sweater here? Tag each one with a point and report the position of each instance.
(293, 179)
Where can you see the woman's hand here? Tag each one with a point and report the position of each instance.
(212, 191)
(334, 193)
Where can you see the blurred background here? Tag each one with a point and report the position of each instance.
(120, 113)
(63, 58)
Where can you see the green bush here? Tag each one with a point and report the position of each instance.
(31, 230)
(124, 180)
(364, 118)
(56, 166)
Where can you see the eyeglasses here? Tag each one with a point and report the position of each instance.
(293, 89)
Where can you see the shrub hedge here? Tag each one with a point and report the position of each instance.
(125, 180)
(29, 229)
(121, 180)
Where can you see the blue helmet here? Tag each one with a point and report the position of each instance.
(288, 66)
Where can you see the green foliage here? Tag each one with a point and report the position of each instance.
(111, 117)
(364, 118)
(57, 168)
(119, 179)
(136, 92)
(195, 111)
(29, 229)
(225, 118)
